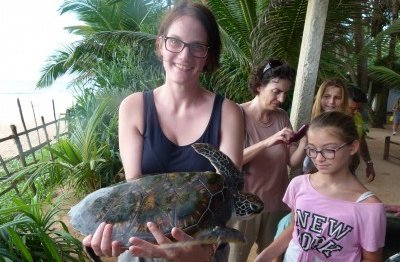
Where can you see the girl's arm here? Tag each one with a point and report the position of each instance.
(278, 247)
(371, 256)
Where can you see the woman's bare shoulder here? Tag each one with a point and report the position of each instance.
(133, 100)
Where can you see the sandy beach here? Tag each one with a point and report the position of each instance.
(34, 105)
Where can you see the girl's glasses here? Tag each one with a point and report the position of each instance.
(326, 153)
(272, 64)
(175, 45)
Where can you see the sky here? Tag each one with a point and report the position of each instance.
(30, 30)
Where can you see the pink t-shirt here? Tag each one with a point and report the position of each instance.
(268, 172)
(331, 229)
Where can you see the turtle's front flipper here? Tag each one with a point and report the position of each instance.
(247, 205)
(216, 235)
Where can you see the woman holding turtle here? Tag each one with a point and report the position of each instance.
(157, 128)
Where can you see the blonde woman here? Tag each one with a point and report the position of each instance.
(332, 95)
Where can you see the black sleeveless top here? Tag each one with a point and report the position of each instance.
(160, 155)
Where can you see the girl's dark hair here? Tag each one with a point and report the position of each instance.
(206, 18)
(346, 127)
(271, 68)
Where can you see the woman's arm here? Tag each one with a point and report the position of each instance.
(372, 256)
(130, 128)
(279, 137)
(297, 154)
(364, 152)
(231, 142)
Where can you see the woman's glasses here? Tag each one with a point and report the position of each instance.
(175, 45)
(272, 64)
(326, 153)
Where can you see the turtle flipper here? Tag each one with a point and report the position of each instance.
(247, 205)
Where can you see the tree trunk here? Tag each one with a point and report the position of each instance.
(362, 75)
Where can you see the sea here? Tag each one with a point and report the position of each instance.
(34, 103)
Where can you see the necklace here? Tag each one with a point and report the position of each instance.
(264, 123)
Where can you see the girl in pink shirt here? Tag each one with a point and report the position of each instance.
(335, 218)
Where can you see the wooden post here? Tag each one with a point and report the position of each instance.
(47, 136)
(8, 174)
(4, 166)
(21, 153)
(386, 149)
(23, 124)
(37, 129)
(54, 110)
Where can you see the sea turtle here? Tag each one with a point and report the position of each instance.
(200, 203)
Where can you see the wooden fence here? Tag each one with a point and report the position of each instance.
(386, 150)
(27, 157)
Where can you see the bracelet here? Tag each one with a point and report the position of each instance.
(214, 248)
(369, 162)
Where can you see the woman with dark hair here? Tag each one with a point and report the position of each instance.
(267, 153)
(158, 127)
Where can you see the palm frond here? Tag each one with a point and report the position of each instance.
(385, 76)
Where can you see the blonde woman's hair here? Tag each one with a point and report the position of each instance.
(336, 82)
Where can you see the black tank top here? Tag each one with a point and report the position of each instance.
(160, 155)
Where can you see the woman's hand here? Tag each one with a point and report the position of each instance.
(101, 242)
(370, 172)
(393, 209)
(142, 248)
(102, 245)
(282, 136)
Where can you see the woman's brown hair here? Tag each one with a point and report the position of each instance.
(206, 18)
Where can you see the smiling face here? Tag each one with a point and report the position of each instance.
(272, 95)
(182, 68)
(332, 99)
(327, 138)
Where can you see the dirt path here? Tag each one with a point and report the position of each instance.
(387, 181)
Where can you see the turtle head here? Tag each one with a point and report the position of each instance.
(247, 205)
(222, 164)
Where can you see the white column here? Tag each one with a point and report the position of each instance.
(307, 69)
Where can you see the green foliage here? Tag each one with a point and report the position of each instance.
(86, 160)
(29, 232)
(108, 27)
(385, 76)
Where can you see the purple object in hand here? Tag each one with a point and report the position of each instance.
(299, 134)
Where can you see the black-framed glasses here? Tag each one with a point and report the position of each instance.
(175, 45)
(326, 153)
(272, 64)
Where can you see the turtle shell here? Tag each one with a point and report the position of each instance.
(190, 201)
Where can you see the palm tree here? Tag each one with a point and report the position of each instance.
(255, 30)
(109, 29)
